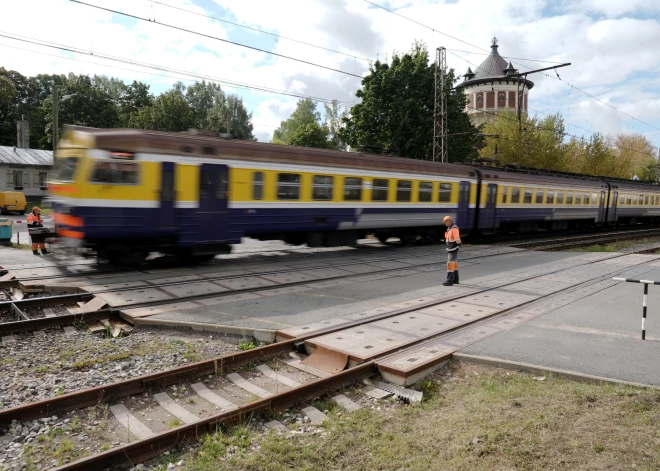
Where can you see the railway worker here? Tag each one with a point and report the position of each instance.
(34, 220)
(453, 240)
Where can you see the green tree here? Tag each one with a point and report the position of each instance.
(170, 112)
(304, 114)
(133, 98)
(533, 143)
(333, 122)
(91, 106)
(7, 106)
(312, 135)
(202, 97)
(240, 120)
(397, 109)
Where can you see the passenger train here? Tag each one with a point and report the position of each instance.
(124, 193)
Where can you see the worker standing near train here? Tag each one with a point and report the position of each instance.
(453, 240)
(34, 220)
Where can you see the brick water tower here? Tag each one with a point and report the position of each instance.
(490, 88)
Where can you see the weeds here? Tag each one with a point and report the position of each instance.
(245, 345)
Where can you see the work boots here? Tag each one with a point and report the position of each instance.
(35, 252)
(44, 251)
(450, 279)
(456, 277)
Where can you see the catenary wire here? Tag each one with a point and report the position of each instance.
(523, 65)
(117, 12)
(156, 67)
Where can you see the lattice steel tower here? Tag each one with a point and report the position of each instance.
(440, 112)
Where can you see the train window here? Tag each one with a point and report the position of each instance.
(515, 195)
(167, 188)
(528, 197)
(569, 197)
(641, 200)
(352, 189)
(425, 192)
(560, 197)
(380, 189)
(403, 190)
(646, 199)
(445, 193)
(587, 198)
(550, 197)
(634, 199)
(578, 197)
(223, 184)
(594, 198)
(622, 198)
(205, 184)
(65, 168)
(258, 185)
(628, 198)
(539, 197)
(504, 194)
(322, 187)
(288, 186)
(116, 173)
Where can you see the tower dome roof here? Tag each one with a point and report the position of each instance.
(493, 67)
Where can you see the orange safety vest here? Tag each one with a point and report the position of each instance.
(452, 236)
(34, 218)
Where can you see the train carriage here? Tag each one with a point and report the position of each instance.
(124, 193)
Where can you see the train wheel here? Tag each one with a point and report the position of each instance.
(203, 258)
(125, 258)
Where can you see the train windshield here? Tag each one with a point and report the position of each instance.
(65, 167)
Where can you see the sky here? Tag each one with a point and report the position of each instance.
(611, 45)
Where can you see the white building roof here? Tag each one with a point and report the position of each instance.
(20, 156)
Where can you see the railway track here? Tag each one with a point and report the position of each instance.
(98, 313)
(233, 369)
(585, 240)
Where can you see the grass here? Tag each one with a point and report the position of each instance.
(174, 423)
(481, 419)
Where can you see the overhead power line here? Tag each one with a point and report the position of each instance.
(154, 67)
(352, 56)
(215, 38)
(523, 65)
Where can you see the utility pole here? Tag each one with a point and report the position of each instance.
(521, 91)
(56, 109)
(440, 150)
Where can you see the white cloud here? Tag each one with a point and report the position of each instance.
(608, 51)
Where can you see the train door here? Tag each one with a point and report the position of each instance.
(611, 214)
(166, 214)
(601, 208)
(488, 219)
(213, 196)
(463, 209)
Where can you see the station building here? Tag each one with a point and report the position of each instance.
(24, 169)
(490, 88)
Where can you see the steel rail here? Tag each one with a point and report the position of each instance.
(154, 446)
(68, 319)
(128, 387)
(146, 449)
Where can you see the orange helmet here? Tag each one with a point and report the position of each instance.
(446, 218)
(36, 208)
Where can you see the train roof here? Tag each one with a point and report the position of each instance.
(198, 145)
